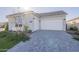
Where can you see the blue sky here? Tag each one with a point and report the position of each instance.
(72, 11)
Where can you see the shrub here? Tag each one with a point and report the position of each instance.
(26, 38)
(29, 31)
(26, 28)
(74, 28)
(71, 28)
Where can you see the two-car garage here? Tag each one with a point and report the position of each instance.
(52, 23)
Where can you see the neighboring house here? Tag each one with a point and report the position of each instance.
(73, 22)
(2, 26)
(37, 21)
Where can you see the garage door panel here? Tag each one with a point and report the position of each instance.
(51, 25)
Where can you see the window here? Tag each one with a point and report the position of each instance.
(18, 21)
(18, 25)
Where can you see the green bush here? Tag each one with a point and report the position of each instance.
(74, 28)
(71, 28)
(26, 28)
(29, 31)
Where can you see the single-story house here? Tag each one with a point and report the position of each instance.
(37, 21)
(73, 22)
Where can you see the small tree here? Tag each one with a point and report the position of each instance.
(26, 28)
(6, 27)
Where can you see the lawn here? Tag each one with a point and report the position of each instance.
(10, 39)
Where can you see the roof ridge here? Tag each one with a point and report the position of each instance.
(46, 13)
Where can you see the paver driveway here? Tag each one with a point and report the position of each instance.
(47, 41)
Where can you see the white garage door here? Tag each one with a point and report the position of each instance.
(52, 24)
